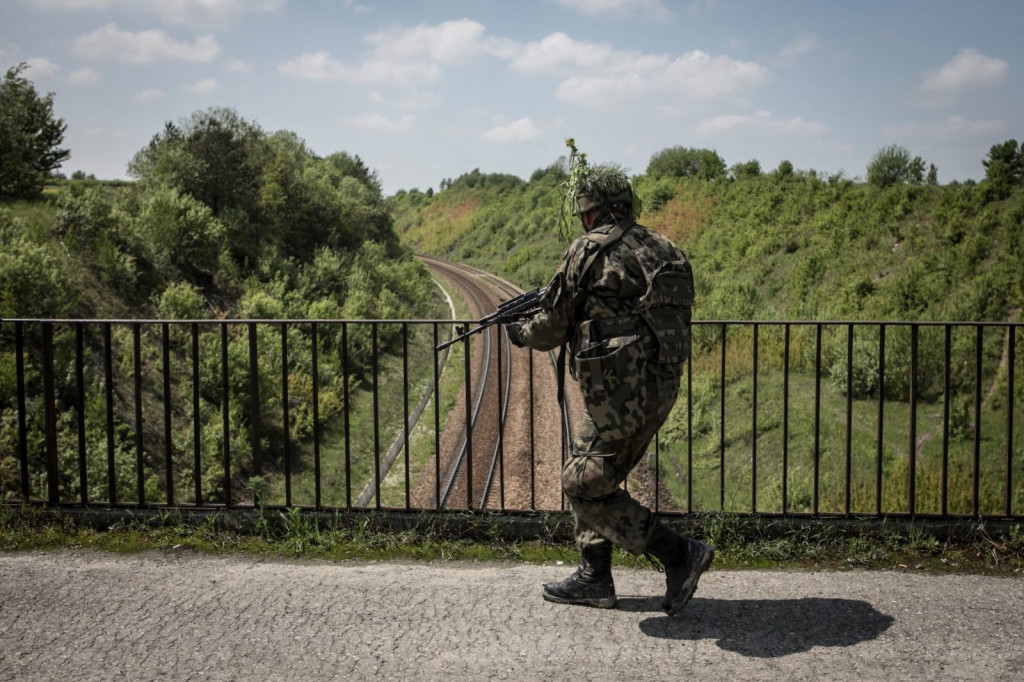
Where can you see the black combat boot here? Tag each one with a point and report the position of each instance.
(591, 584)
(684, 560)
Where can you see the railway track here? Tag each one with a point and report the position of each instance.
(507, 437)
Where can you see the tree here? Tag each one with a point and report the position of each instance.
(750, 169)
(214, 156)
(30, 136)
(686, 162)
(1004, 168)
(893, 165)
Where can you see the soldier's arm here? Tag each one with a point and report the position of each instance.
(550, 328)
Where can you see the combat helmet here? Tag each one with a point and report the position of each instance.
(604, 185)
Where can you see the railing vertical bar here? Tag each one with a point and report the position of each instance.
(225, 396)
(849, 418)
(501, 435)
(197, 419)
(785, 418)
(437, 421)
(469, 425)
(947, 353)
(347, 413)
(165, 343)
(286, 417)
(108, 390)
(140, 473)
(879, 442)
(254, 404)
(83, 473)
(721, 426)
(817, 418)
(912, 467)
(315, 361)
(657, 456)
(533, 442)
(976, 466)
(1011, 353)
(405, 412)
(689, 430)
(753, 426)
(375, 371)
(50, 417)
(19, 372)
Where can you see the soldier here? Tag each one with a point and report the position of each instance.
(621, 302)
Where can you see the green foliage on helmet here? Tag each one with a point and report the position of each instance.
(588, 187)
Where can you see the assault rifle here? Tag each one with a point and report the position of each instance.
(518, 308)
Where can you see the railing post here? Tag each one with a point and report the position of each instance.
(108, 394)
(168, 440)
(50, 416)
(254, 403)
(140, 467)
(83, 473)
(286, 417)
(197, 436)
(721, 426)
(225, 396)
(315, 369)
(881, 420)
(976, 467)
(912, 468)
(1011, 358)
(19, 370)
(753, 426)
(817, 418)
(785, 420)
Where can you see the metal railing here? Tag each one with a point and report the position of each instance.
(790, 418)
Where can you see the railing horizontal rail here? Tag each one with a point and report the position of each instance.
(841, 418)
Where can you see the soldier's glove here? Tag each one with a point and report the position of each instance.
(515, 333)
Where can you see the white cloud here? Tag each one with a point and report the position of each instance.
(150, 94)
(517, 131)
(558, 51)
(320, 67)
(204, 85)
(379, 122)
(41, 67)
(356, 7)
(954, 126)
(84, 76)
(655, 8)
(762, 121)
(967, 70)
(143, 47)
(603, 75)
(796, 49)
(405, 56)
(176, 12)
(239, 66)
(691, 75)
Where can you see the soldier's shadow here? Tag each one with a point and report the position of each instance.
(765, 628)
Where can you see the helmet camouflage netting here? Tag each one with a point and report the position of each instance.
(588, 187)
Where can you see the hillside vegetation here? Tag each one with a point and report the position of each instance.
(785, 244)
(224, 221)
(802, 246)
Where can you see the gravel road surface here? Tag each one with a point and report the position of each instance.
(83, 615)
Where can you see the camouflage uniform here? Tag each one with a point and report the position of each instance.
(621, 300)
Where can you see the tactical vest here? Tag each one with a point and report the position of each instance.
(664, 309)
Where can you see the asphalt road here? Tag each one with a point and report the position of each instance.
(81, 615)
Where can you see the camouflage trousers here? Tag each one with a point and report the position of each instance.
(592, 477)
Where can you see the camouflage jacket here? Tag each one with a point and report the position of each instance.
(612, 290)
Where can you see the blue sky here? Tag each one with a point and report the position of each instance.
(431, 89)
